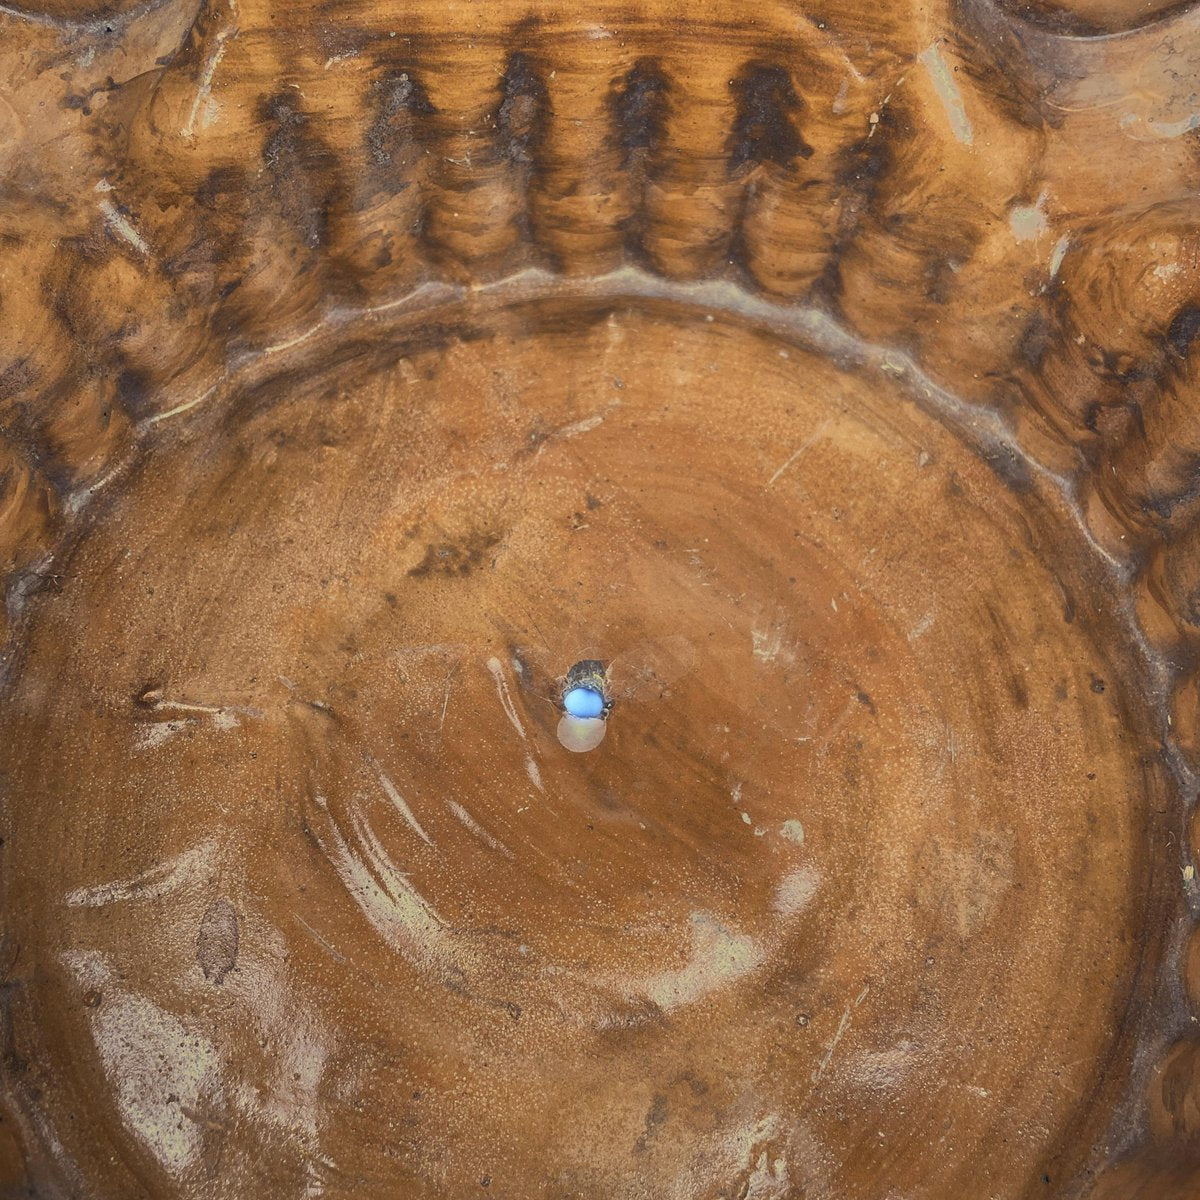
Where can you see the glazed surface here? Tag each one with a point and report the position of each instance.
(825, 374)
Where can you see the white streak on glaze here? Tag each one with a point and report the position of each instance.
(426, 649)
(843, 1025)
(1058, 254)
(497, 669)
(801, 450)
(446, 702)
(289, 343)
(535, 776)
(223, 711)
(394, 908)
(164, 1076)
(184, 868)
(398, 801)
(206, 77)
(719, 956)
(122, 226)
(478, 830)
(151, 736)
(578, 427)
(78, 500)
(316, 937)
(179, 408)
(942, 79)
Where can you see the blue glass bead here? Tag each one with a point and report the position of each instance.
(583, 702)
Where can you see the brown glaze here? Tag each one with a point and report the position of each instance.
(824, 372)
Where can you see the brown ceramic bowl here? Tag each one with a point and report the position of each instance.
(821, 374)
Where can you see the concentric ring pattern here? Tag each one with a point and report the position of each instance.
(379, 366)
